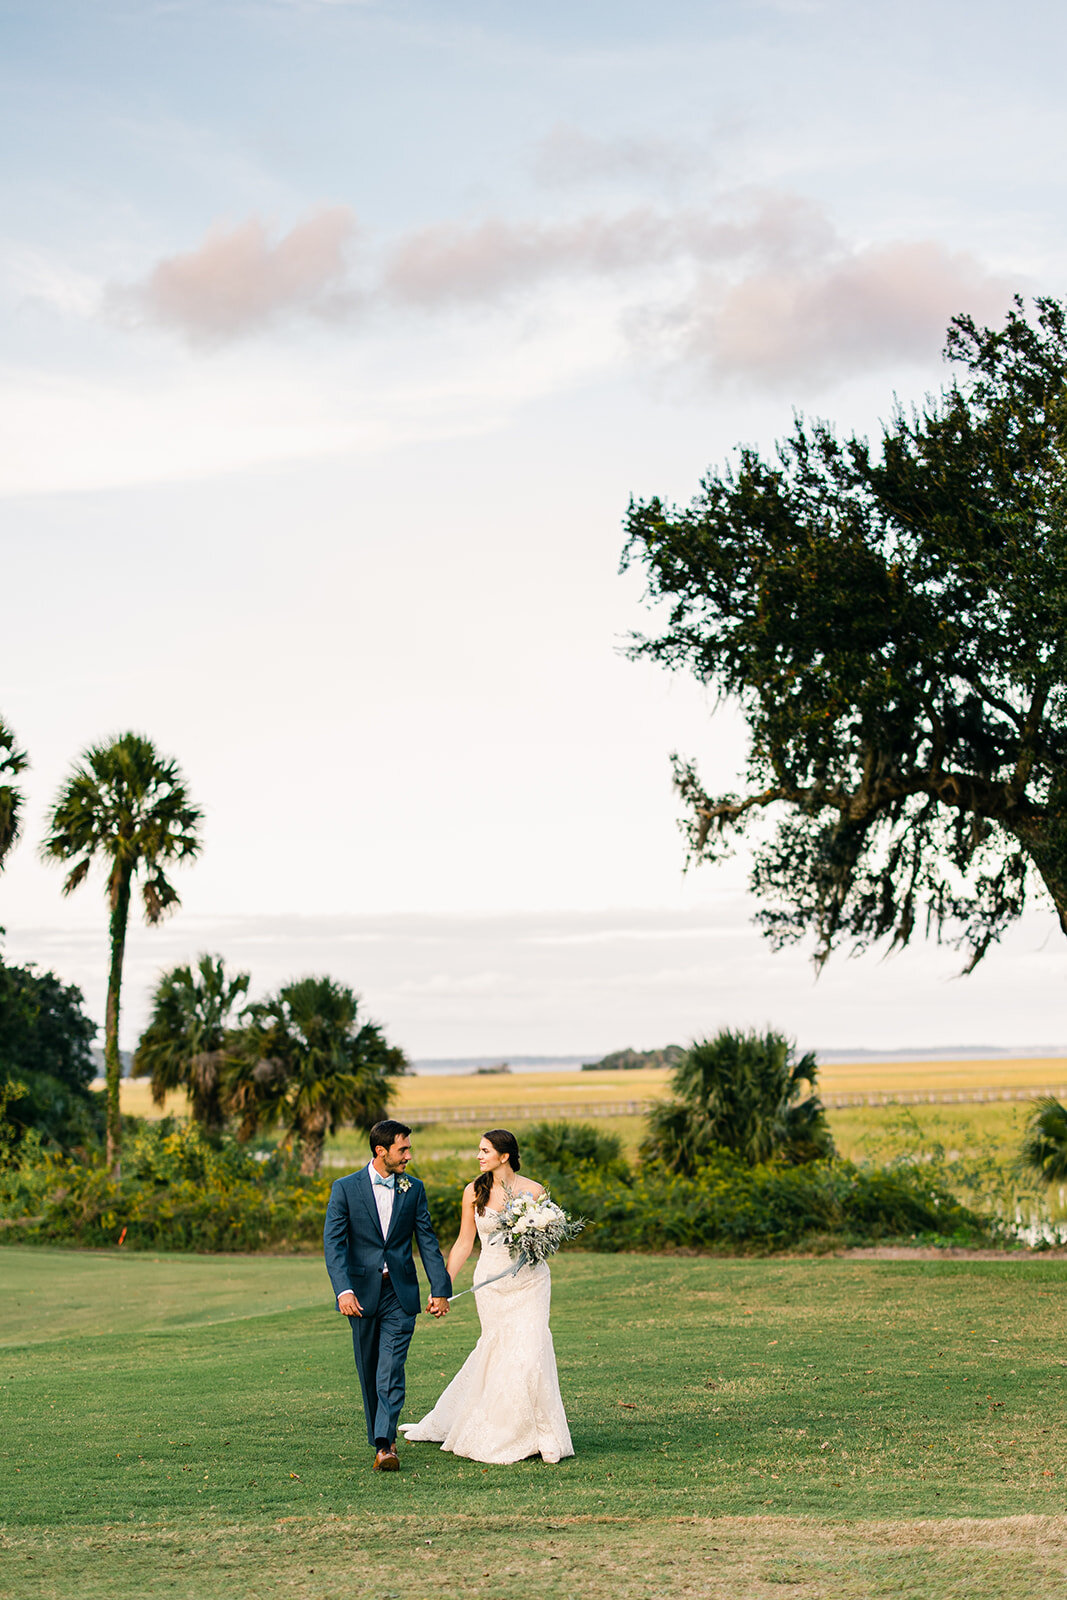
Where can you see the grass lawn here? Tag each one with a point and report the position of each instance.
(190, 1427)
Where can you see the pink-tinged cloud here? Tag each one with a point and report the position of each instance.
(831, 315)
(449, 263)
(760, 289)
(239, 280)
(452, 262)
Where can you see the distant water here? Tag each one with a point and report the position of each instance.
(458, 1065)
(442, 1065)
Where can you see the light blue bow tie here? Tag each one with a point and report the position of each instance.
(385, 1183)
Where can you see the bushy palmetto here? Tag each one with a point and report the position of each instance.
(126, 806)
(13, 761)
(1044, 1147)
(744, 1092)
(182, 1046)
(304, 1061)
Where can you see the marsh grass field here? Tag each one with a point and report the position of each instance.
(527, 1090)
(189, 1427)
(859, 1131)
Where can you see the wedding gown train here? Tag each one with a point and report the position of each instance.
(504, 1403)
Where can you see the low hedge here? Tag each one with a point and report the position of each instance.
(178, 1192)
(729, 1205)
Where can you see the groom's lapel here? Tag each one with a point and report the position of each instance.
(400, 1200)
(366, 1192)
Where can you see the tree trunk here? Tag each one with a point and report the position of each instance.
(1043, 843)
(312, 1138)
(120, 913)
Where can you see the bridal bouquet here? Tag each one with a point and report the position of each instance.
(534, 1227)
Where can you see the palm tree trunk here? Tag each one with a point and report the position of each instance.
(120, 913)
(312, 1137)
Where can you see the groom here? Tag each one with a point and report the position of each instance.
(370, 1220)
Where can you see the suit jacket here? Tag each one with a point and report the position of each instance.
(356, 1251)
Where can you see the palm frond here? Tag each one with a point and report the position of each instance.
(13, 761)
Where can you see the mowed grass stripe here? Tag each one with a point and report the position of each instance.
(477, 1553)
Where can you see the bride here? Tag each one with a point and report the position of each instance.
(504, 1403)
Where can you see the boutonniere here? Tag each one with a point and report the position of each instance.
(403, 1184)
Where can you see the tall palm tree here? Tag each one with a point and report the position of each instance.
(1044, 1147)
(181, 1048)
(741, 1092)
(305, 1060)
(12, 762)
(128, 806)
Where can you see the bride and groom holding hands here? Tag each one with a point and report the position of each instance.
(504, 1404)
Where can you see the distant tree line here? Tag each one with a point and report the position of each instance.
(633, 1060)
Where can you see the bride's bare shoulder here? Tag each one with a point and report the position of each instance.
(468, 1193)
(530, 1186)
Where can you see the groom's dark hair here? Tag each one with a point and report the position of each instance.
(387, 1133)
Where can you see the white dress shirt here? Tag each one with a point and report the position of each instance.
(383, 1199)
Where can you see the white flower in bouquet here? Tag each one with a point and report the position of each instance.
(533, 1227)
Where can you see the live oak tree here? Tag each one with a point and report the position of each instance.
(893, 623)
(127, 806)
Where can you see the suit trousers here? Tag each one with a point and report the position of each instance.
(381, 1347)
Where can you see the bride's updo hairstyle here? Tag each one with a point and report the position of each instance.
(505, 1144)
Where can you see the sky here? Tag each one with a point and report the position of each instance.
(336, 338)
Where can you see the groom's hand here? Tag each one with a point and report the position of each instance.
(437, 1306)
(348, 1305)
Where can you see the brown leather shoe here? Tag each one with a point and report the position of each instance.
(387, 1460)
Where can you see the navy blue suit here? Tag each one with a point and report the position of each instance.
(356, 1252)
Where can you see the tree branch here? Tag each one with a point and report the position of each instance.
(1029, 743)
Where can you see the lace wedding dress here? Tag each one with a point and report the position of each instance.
(504, 1402)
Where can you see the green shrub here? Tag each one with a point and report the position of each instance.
(1044, 1146)
(729, 1204)
(562, 1146)
(178, 1191)
(181, 1192)
(744, 1092)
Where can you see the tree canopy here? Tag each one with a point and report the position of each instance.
(893, 623)
(45, 1046)
(182, 1046)
(305, 1059)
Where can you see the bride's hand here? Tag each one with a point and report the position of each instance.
(437, 1306)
